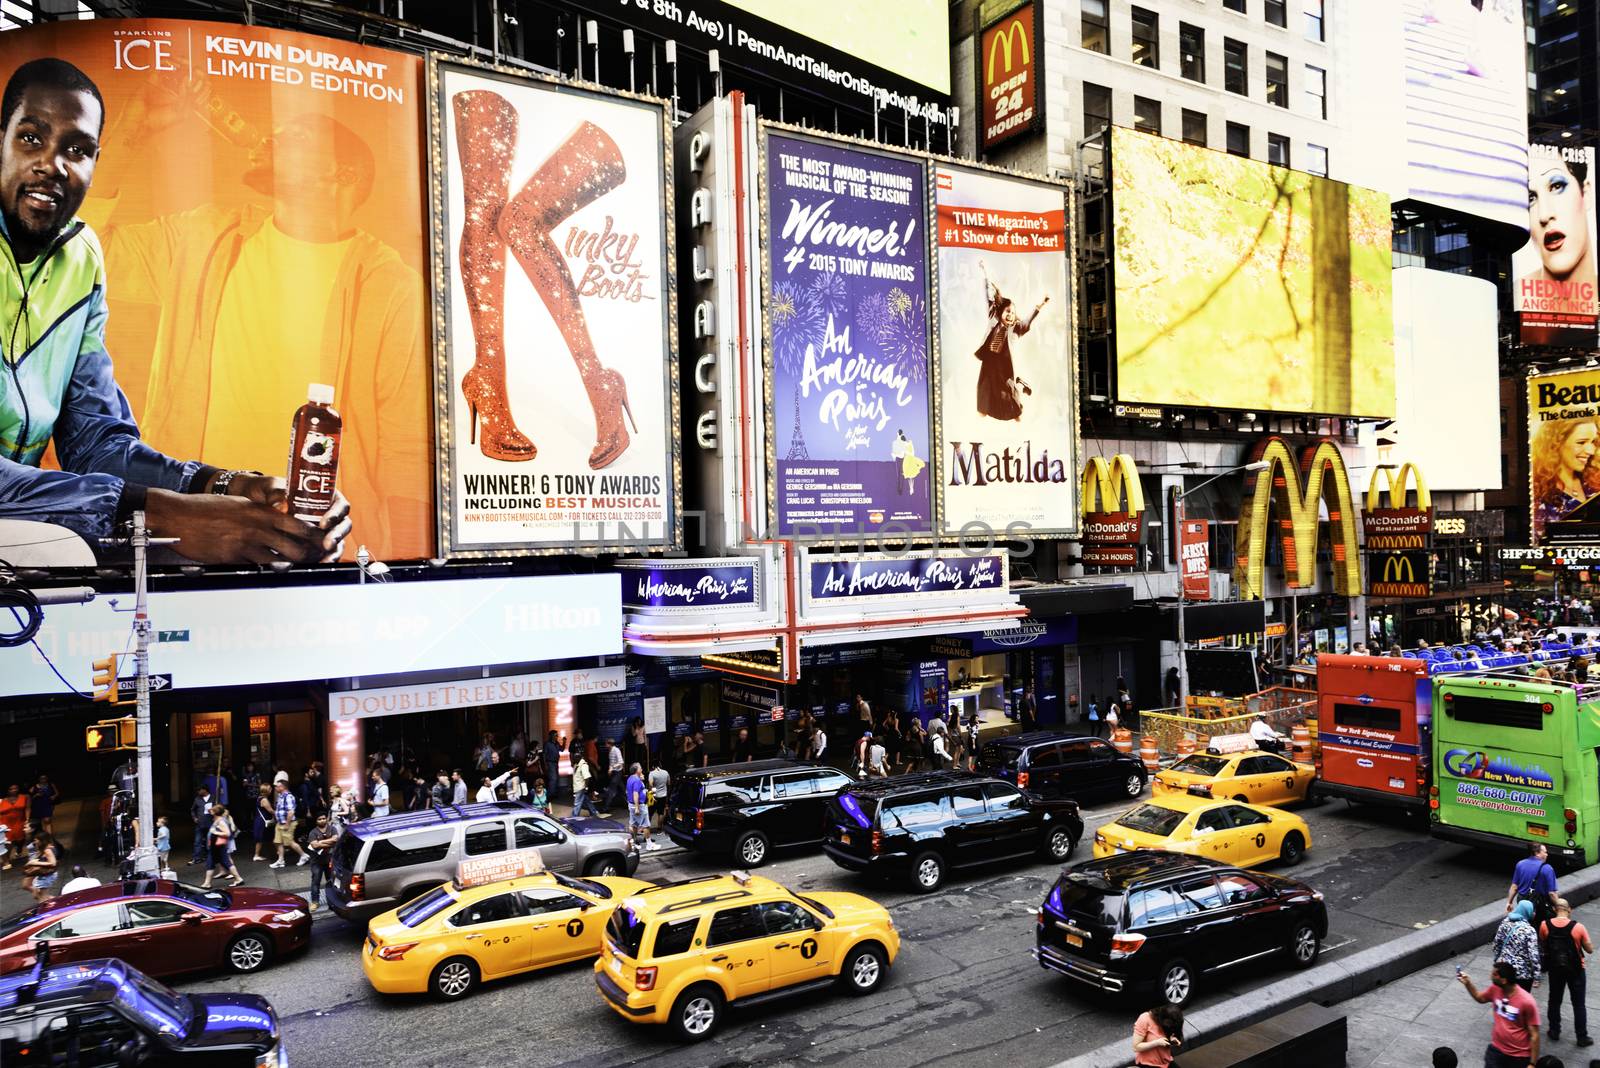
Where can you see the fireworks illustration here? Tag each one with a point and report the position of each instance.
(798, 321)
(831, 293)
(896, 322)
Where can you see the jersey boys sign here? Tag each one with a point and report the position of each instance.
(847, 321)
(1008, 404)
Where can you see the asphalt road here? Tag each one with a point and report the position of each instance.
(963, 987)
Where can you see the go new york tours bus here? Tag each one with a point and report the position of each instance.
(1516, 761)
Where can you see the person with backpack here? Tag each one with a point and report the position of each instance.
(1533, 879)
(1516, 942)
(1565, 944)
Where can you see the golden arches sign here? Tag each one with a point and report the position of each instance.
(1113, 486)
(1297, 487)
(1396, 488)
(1016, 32)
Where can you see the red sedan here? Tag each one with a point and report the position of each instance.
(160, 927)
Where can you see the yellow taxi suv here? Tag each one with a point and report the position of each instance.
(1254, 776)
(500, 916)
(680, 953)
(1228, 831)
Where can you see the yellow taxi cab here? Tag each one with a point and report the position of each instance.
(680, 953)
(1255, 776)
(1229, 831)
(501, 915)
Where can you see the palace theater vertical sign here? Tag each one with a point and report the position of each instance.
(1011, 76)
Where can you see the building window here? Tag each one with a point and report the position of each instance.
(1146, 38)
(1277, 12)
(1096, 33)
(1096, 108)
(1192, 51)
(1317, 91)
(1194, 127)
(1146, 115)
(1234, 5)
(1277, 150)
(1314, 20)
(1317, 160)
(1238, 139)
(1277, 80)
(1235, 66)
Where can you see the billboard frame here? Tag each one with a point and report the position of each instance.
(936, 349)
(445, 441)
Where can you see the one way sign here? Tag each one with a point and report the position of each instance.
(129, 685)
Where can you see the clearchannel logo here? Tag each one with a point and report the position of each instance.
(1470, 764)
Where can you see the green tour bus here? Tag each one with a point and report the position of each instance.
(1517, 760)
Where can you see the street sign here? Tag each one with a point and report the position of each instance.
(172, 635)
(157, 682)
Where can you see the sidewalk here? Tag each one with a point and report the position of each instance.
(77, 828)
(1399, 1025)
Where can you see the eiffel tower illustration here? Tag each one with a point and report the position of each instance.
(797, 441)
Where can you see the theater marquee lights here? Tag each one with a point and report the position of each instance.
(1296, 488)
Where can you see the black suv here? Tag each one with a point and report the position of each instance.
(1054, 764)
(924, 824)
(749, 809)
(1153, 919)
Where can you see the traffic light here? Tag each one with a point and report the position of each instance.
(105, 675)
(127, 733)
(100, 738)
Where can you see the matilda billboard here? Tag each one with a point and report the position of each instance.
(239, 243)
(1563, 436)
(1008, 396)
(1286, 273)
(846, 311)
(558, 390)
(1556, 291)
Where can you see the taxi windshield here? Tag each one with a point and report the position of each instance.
(1199, 764)
(1152, 819)
(595, 889)
(626, 931)
(160, 1007)
(418, 910)
(817, 905)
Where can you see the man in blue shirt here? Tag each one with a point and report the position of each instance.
(638, 807)
(1534, 876)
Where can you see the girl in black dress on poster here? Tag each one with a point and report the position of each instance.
(998, 384)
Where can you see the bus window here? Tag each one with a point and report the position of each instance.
(1374, 717)
(1496, 712)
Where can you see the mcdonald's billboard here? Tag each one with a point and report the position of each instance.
(1399, 526)
(1011, 76)
(1295, 486)
(1400, 574)
(1113, 511)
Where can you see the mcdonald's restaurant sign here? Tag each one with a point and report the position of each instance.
(1399, 526)
(1113, 511)
(1011, 76)
(1400, 574)
(1295, 485)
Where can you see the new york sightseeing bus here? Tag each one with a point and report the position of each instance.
(1517, 760)
(1373, 714)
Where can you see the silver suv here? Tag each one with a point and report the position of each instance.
(384, 862)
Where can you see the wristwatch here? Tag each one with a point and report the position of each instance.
(220, 486)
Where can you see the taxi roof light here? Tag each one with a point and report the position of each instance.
(741, 877)
(480, 871)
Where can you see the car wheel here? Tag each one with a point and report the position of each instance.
(696, 1013)
(1059, 844)
(927, 872)
(863, 969)
(1241, 799)
(606, 865)
(1133, 786)
(1294, 847)
(249, 952)
(453, 979)
(751, 849)
(1304, 946)
(1176, 984)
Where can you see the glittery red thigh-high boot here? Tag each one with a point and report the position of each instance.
(586, 166)
(486, 139)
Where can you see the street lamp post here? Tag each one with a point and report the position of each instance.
(1183, 660)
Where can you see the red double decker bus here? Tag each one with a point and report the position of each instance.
(1374, 718)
